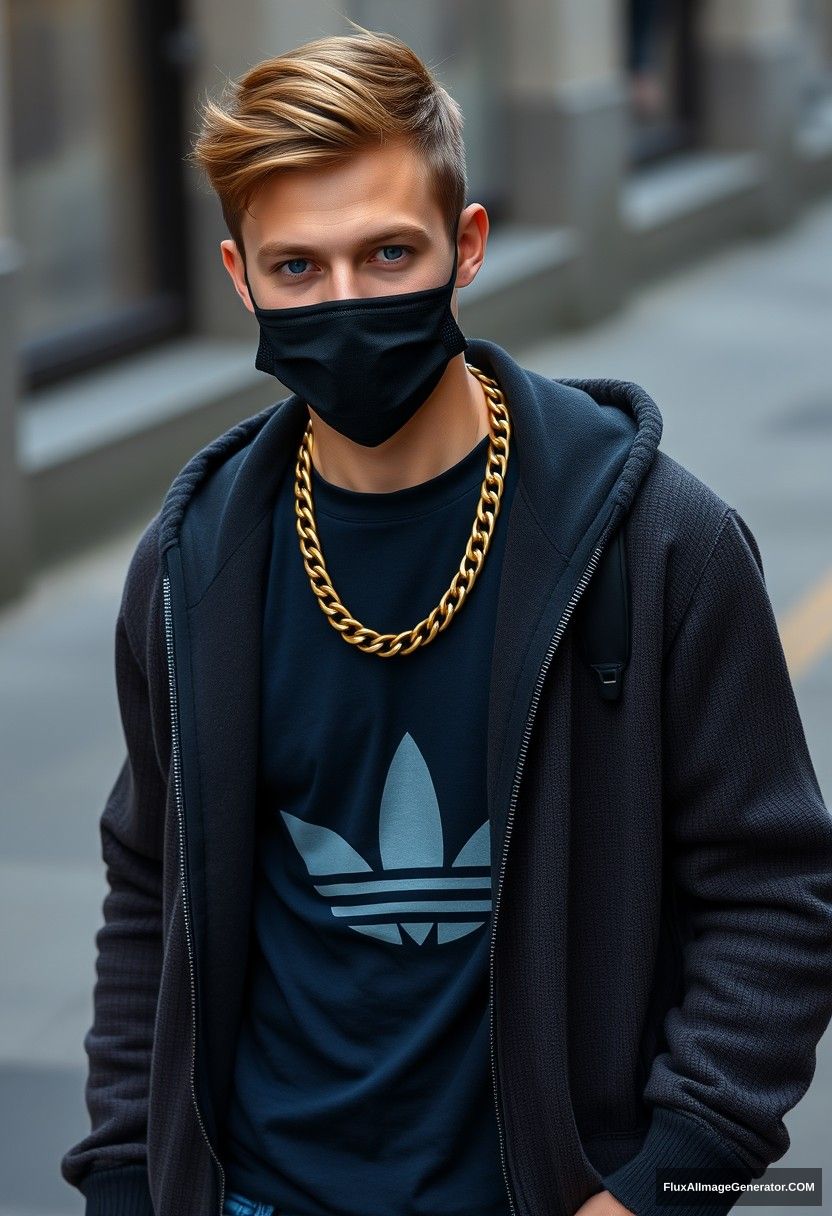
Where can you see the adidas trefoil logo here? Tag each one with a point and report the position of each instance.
(410, 838)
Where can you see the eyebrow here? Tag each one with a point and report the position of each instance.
(273, 249)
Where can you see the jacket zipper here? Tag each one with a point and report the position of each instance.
(558, 634)
(177, 776)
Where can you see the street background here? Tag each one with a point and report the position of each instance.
(690, 252)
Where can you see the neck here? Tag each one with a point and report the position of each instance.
(448, 424)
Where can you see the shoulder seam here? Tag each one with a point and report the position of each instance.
(729, 510)
(148, 537)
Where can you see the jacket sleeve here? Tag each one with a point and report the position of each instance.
(109, 1165)
(749, 846)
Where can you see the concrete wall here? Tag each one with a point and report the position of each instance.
(14, 516)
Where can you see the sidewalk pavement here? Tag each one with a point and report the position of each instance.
(737, 354)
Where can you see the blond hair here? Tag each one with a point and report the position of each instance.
(319, 104)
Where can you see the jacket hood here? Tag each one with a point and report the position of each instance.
(583, 447)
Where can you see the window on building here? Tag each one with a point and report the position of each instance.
(815, 33)
(96, 181)
(661, 76)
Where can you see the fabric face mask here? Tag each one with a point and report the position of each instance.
(365, 364)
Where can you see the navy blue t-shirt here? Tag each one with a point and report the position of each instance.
(362, 1082)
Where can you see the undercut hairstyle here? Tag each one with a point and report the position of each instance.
(321, 103)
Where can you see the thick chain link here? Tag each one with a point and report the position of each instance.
(386, 645)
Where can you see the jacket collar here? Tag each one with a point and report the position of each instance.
(582, 445)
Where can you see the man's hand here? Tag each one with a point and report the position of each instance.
(603, 1204)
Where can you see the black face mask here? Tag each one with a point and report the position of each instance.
(366, 364)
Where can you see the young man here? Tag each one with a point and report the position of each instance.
(405, 916)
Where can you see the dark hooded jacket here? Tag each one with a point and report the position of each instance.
(662, 921)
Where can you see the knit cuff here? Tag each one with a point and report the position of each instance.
(120, 1190)
(676, 1140)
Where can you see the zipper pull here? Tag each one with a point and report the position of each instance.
(611, 677)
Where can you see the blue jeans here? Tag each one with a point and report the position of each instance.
(238, 1205)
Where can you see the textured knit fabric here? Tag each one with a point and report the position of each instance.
(362, 1080)
(662, 864)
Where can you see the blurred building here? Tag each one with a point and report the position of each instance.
(610, 142)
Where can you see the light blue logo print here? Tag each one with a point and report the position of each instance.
(409, 837)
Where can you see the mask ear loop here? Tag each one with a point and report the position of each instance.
(454, 268)
(452, 336)
(248, 285)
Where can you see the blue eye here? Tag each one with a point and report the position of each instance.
(295, 262)
(296, 268)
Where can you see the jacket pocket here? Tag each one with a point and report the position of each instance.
(608, 1150)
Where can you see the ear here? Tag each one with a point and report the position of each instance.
(472, 237)
(233, 263)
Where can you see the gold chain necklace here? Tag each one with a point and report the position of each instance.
(386, 645)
